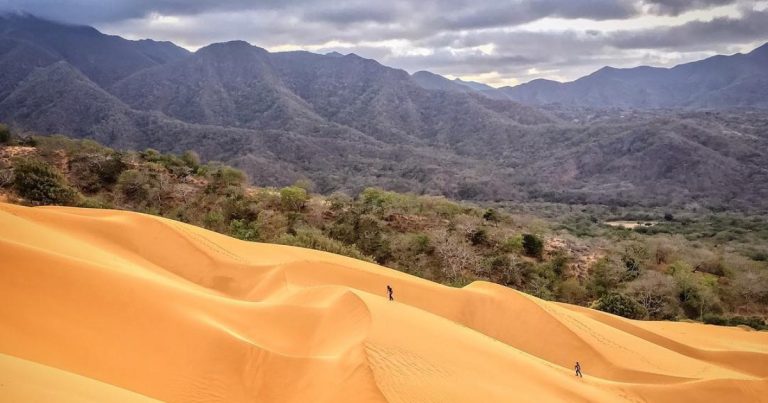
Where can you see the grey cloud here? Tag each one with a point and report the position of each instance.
(676, 7)
(436, 14)
(451, 30)
(752, 26)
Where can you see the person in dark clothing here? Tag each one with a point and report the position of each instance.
(578, 370)
(389, 292)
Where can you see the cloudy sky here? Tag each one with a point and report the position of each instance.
(501, 42)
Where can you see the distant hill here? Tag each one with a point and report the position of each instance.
(347, 122)
(740, 80)
(432, 81)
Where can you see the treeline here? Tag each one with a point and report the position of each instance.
(636, 275)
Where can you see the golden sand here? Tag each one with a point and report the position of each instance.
(101, 305)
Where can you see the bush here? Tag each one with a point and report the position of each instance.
(191, 159)
(479, 237)
(5, 134)
(293, 198)
(712, 319)
(572, 292)
(136, 186)
(314, 239)
(491, 215)
(42, 184)
(533, 246)
(91, 202)
(496, 267)
(92, 173)
(622, 305)
(512, 245)
(242, 229)
(223, 177)
(754, 322)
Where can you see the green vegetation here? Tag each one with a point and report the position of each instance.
(705, 266)
(620, 304)
(41, 184)
(532, 245)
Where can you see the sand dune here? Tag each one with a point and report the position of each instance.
(102, 305)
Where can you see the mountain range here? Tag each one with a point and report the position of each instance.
(347, 122)
(739, 80)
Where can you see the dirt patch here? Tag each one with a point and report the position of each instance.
(630, 224)
(9, 152)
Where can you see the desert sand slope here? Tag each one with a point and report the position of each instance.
(103, 305)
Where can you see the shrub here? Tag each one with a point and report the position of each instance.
(754, 322)
(604, 277)
(533, 246)
(191, 159)
(479, 237)
(712, 319)
(572, 291)
(136, 186)
(314, 239)
(512, 244)
(93, 173)
(491, 215)
(622, 305)
(419, 243)
(558, 263)
(245, 230)
(41, 184)
(214, 219)
(496, 267)
(369, 232)
(5, 134)
(92, 202)
(293, 198)
(223, 177)
(305, 184)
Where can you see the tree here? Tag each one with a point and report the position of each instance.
(655, 292)
(604, 278)
(620, 304)
(533, 246)
(41, 184)
(293, 198)
(225, 178)
(305, 184)
(136, 186)
(191, 159)
(695, 297)
(456, 257)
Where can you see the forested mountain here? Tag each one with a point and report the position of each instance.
(347, 122)
(740, 80)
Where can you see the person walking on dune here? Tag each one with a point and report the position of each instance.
(578, 370)
(389, 292)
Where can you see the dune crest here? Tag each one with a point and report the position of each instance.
(103, 305)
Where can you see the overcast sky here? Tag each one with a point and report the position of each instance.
(496, 42)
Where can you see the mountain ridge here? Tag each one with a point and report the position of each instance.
(347, 122)
(704, 83)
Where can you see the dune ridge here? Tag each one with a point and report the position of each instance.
(110, 305)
